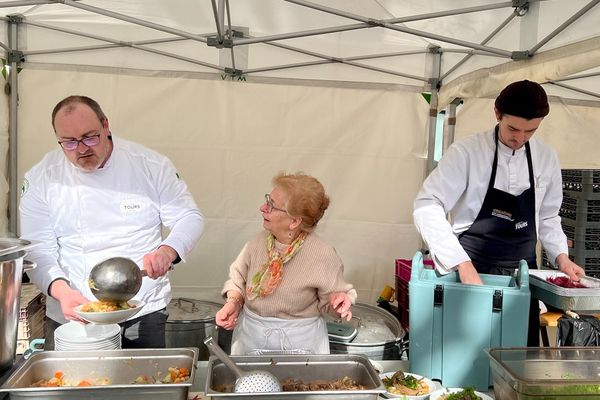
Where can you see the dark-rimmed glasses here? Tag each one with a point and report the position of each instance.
(89, 141)
(271, 206)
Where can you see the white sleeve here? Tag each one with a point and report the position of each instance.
(178, 211)
(439, 194)
(550, 232)
(36, 225)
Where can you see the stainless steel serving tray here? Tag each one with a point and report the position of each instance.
(121, 367)
(308, 368)
(581, 300)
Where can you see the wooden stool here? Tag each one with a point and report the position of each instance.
(548, 319)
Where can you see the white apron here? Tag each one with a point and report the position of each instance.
(254, 332)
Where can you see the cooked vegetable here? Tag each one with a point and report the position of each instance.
(405, 384)
(465, 394)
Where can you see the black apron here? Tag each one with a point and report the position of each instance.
(504, 233)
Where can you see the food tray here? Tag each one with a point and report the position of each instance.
(545, 373)
(121, 367)
(583, 301)
(309, 368)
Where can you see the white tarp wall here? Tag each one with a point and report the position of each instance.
(228, 138)
(572, 129)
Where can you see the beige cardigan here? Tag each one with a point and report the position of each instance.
(308, 278)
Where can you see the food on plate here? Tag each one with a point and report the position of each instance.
(297, 385)
(465, 394)
(565, 282)
(404, 384)
(173, 375)
(106, 306)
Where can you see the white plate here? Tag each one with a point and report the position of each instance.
(110, 317)
(78, 333)
(403, 396)
(438, 393)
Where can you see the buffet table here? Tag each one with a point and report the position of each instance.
(198, 387)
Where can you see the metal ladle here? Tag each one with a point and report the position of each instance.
(116, 279)
(246, 382)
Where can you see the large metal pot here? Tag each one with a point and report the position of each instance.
(190, 322)
(12, 252)
(380, 335)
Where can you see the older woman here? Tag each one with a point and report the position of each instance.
(286, 276)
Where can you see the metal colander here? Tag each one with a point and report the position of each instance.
(247, 382)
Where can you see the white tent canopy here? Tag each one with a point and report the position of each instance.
(234, 91)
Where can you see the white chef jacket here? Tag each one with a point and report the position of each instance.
(84, 217)
(458, 185)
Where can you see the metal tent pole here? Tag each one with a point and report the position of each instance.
(450, 125)
(436, 61)
(14, 58)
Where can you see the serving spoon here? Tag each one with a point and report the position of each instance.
(116, 279)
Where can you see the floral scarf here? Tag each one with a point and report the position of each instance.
(266, 280)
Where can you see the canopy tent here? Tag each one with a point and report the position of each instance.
(235, 91)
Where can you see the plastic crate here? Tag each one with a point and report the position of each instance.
(589, 260)
(404, 267)
(403, 271)
(579, 210)
(403, 317)
(581, 180)
(452, 323)
(582, 238)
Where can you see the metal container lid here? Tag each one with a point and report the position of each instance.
(375, 326)
(12, 248)
(184, 309)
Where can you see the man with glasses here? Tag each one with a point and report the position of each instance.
(98, 197)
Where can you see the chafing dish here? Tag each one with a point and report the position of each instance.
(119, 367)
(308, 368)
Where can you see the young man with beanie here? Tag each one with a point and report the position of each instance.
(503, 190)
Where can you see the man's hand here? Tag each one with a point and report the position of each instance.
(468, 274)
(565, 265)
(158, 262)
(68, 298)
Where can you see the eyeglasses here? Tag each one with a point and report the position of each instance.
(271, 206)
(89, 141)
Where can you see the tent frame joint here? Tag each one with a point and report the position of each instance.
(214, 42)
(375, 22)
(15, 56)
(233, 72)
(520, 55)
(521, 4)
(15, 18)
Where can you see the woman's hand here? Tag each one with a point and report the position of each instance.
(340, 303)
(227, 316)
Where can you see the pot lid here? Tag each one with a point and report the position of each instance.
(184, 309)
(11, 248)
(375, 326)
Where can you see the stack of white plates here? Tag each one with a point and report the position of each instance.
(77, 336)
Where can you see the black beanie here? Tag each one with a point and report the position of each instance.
(523, 99)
